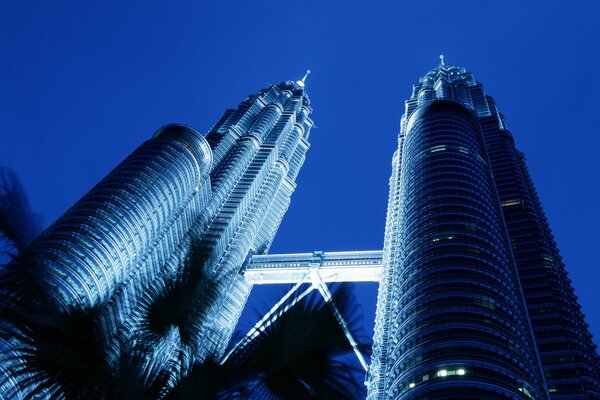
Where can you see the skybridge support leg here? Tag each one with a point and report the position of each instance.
(324, 290)
(271, 316)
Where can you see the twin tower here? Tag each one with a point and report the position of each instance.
(474, 301)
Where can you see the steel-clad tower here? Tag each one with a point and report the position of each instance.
(472, 279)
(119, 252)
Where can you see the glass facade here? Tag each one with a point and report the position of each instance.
(473, 300)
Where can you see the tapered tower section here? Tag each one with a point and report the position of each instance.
(259, 148)
(569, 357)
(451, 318)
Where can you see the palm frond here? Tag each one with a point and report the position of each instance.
(57, 353)
(305, 353)
(210, 380)
(17, 223)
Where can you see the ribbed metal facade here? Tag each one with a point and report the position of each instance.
(471, 276)
(121, 248)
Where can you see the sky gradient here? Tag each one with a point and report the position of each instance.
(81, 86)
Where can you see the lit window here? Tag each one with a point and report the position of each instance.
(442, 372)
(509, 203)
(411, 385)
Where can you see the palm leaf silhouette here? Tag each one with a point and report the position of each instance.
(18, 224)
(304, 354)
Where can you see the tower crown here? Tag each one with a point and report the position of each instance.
(454, 83)
(449, 74)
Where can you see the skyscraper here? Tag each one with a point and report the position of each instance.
(474, 301)
(120, 255)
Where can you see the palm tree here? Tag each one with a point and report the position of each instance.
(18, 225)
(303, 354)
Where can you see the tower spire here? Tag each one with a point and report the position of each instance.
(442, 59)
(303, 80)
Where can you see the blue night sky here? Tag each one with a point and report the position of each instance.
(81, 86)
